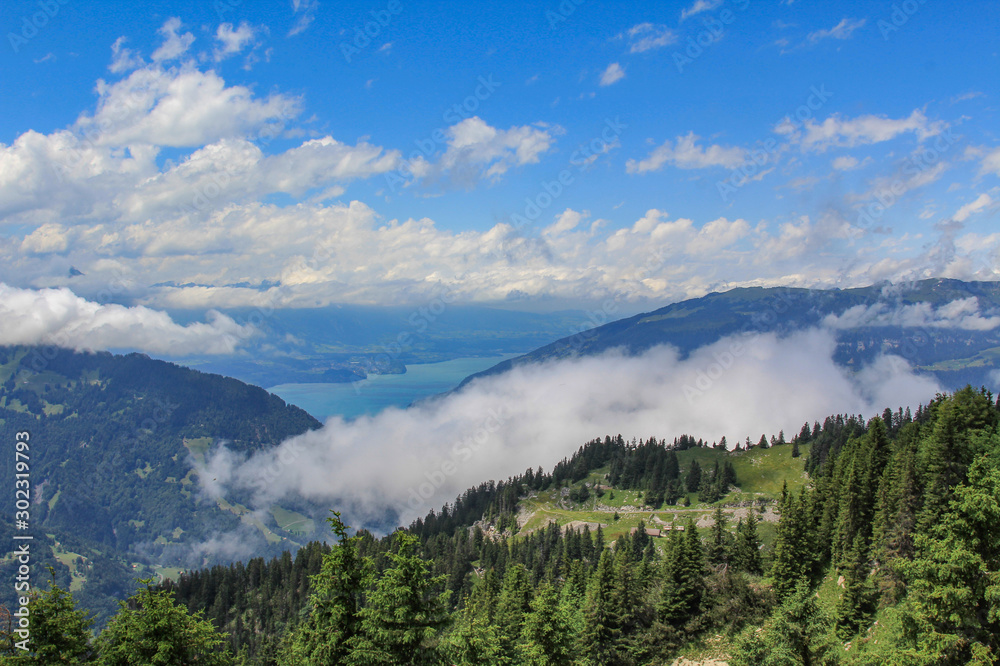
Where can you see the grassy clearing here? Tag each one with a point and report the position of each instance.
(292, 521)
(760, 473)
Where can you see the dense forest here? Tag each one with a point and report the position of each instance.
(887, 555)
(114, 442)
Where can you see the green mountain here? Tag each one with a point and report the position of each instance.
(853, 542)
(914, 321)
(113, 446)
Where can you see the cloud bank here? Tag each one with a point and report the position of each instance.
(409, 461)
(60, 317)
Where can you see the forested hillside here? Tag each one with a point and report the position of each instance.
(885, 553)
(114, 445)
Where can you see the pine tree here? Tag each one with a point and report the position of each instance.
(694, 477)
(718, 544)
(547, 638)
(60, 634)
(151, 629)
(683, 576)
(402, 615)
(475, 639)
(953, 601)
(601, 630)
(512, 607)
(746, 550)
(331, 630)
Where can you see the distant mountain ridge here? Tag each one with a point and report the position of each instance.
(955, 355)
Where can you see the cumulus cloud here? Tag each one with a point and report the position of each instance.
(179, 108)
(850, 163)
(981, 202)
(963, 313)
(409, 461)
(232, 40)
(61, 318)
(991, 163)
(175, 44)
(612, 74)
(685, 153)
(836, 131)
(477, 150)
(698, 7)
(123, 59)
(842, 30)
(649, 37)
(305, 14)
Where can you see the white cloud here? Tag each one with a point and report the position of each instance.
(836, 131)
(991, 163)
(478, 151)
(981, 202)
(850, 163)
(305, 12)
(122, 58)
(61, 318)
(174, 43)
(415, 459)
(698, 7)
(612, 74)
(684, 153)
(842, 30)
(232, 41)
(181, 108)
(567, 220)
(649, 36)
(963, 314)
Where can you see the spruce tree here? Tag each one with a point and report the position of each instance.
(60, 634)
(151, 629)
(403, 613)
(547, 638)
(331, 629)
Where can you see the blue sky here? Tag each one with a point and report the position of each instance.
(540, 155)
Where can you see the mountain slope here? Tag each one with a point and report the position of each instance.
(115, 446)
(910, 321)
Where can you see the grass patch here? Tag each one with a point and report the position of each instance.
(292, 521)
(198, 447)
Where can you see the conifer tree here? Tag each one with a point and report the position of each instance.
(403, 613)
(601, 631)
(60, 634)
(694, 477)
(718, 544)
(331, 629)
(151, 629)
(547, 638)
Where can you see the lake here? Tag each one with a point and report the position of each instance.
(372, 395)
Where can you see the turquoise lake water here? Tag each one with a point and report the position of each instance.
(372, 395)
